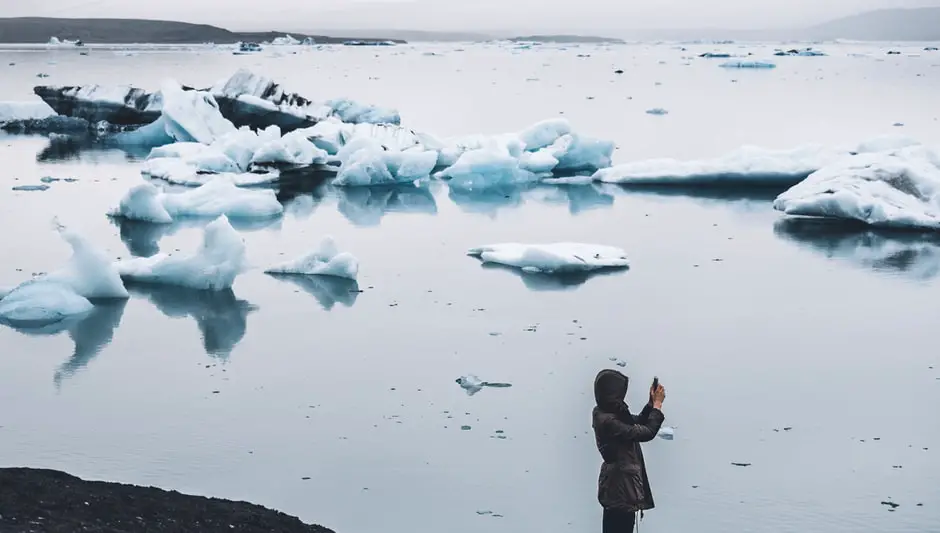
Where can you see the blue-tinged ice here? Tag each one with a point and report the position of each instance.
(28, 110)
(192, 116)
(357, 113)
(38, 303)
(364, 162)
(219, 196)
(492, 166)
(214, 266)
(324, 260)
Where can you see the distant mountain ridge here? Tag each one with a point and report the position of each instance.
(30, 30)
(566, 39)
(918, 24)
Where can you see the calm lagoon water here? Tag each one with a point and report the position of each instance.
(753, 323)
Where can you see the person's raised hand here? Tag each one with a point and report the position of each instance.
(657, 396)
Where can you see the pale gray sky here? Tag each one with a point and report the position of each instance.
(465, 15)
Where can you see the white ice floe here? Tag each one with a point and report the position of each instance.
(32, 109)
(332, 135)
(745, 165)
(894, 189)
(557, 258)
(667, 432)
(748, 64)
(214, 266)
(365, 163)
(325, 260)
(217, 197)
(65, 292)
(472, 384)
(292, 149)
(192, 116)
(357, 113)
(179, 172)
(286, 40)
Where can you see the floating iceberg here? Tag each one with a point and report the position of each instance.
(39, 303)
(214, 266)
(293, 149)
(220, 196)
(715, 55)
(657, 111)
(494, 166)
(193, 116)
(748, 64)
(472, 384)
(325, 260)
(805, 52)
(179, 172)
(358, 113)
(65, 292)
(557, 258)
(120, 104)
(370, 165)
(745, 165)
(896, 189)
(286, 40)
(31, 110)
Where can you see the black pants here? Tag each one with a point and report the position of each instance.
(616, 521)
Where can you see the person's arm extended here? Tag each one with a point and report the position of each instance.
(639, 432)
(644, 415)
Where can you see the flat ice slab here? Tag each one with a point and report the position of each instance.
(894, 189)
(748, 64)
(217, 197)
(214, 266)
(557, 258)
(745, 165)
(324, 260)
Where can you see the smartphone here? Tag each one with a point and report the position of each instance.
(655, 382)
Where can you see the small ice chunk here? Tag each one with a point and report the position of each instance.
(472, 384)
(325, 260)
(557, 258)
(745, 165)
(29, 110)
(370, 165)
(286, 40)
(88, 272)
(214, 266)
(37, 303)
(666, 432)
(657, 111)
(486, 167)
(748, 64)
(31, 188)
(217, 197)
(544, 133)
(586, 153)
(291, 149)
(192, 115)
(898, 189)
(356, 113)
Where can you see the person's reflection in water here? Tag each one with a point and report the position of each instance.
(623, 488)
(221, 317)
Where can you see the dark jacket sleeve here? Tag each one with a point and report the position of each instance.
(644, 415)
(644, 432)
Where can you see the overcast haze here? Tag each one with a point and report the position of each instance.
(467, 15)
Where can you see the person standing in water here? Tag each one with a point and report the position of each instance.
(623, 488)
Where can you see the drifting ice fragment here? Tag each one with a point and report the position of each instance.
(557, 258)
(486, 167)
(214, 266)
(898, 189)
(473, 384)
(192, 116)
(325, 260)
(745, 165)
(657, 111)
(217, 197)
(666, 432)
(748, 64)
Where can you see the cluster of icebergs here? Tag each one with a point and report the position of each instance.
(90, 276)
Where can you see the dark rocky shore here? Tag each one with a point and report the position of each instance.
(48, 501)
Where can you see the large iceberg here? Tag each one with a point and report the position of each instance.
(66, 292)
(249, 99)
(214, 266)
(894, 189)
(324, 260)
(120, 104)
(30, 110)
(493, 166)
(219, 196)
(745, 165)
(557, 258)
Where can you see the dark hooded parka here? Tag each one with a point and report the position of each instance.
(623, 483)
